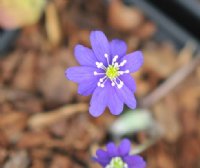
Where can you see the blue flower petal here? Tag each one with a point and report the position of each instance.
(127, 97)
(102, 154)
(129, 82)
(98, 102)
(124, 147)
(112, 149)
(135, 161)
(102, 162)
(118, 47)
(81, 74)
(87, 88)
(100, 45)
(134, 61)
(102, 157)
(85, 56)
(115, 104)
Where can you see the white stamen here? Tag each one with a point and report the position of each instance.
(122, 63)
(125, 165)
(100, 65)
(113, 83)
(102, 84)
(116, 65)
(106, 55)
(98, 73)
(119, 85)
(114, 59)
(127, 71)
(123, 72)
(102, 79)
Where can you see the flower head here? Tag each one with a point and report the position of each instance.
(105, 72)
(119, 157)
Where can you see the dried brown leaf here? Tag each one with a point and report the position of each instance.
(52, 24)
(26, 75)
(123, 18)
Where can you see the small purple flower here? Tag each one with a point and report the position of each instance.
(119, 157)
(105, 72)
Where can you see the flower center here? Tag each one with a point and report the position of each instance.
(112, 72)
(117, 162)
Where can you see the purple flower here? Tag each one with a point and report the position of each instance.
(105, 72)
(118, 157)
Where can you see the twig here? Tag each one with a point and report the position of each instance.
(46, 119)
(11, 94)
(170, 83)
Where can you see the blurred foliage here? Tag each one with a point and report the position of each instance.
(131, 122)
(18, 13)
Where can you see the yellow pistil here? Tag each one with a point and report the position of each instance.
(112, 72)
